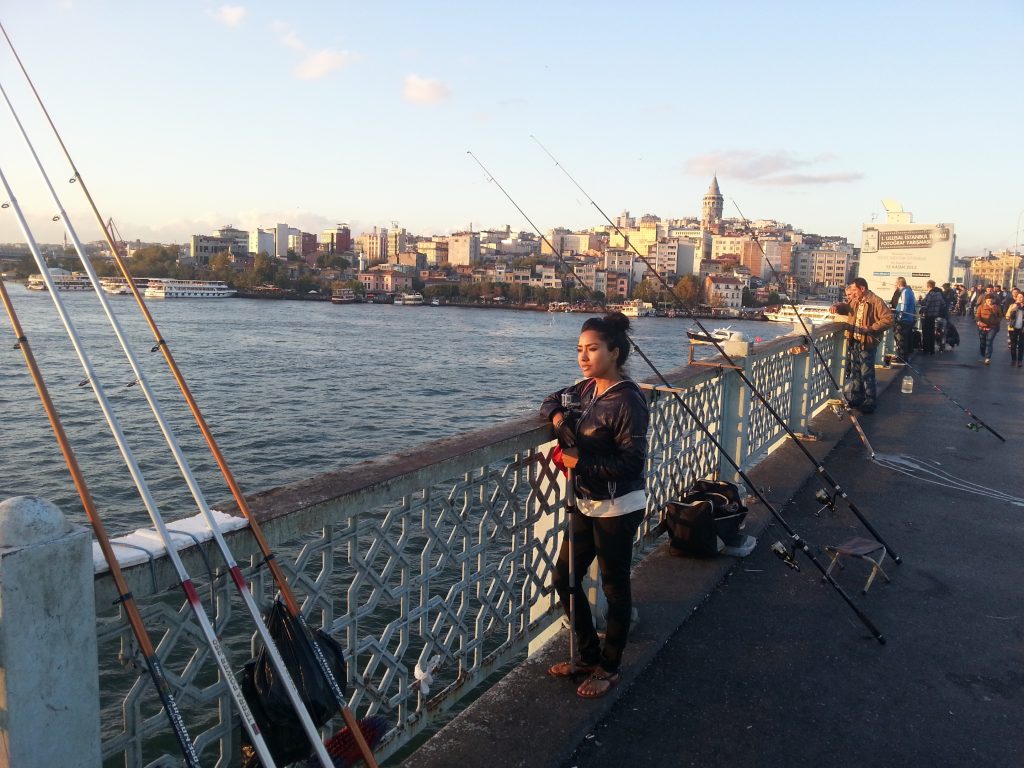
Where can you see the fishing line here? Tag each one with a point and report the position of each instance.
(124, 594)
(184, 579)
(796, 542)
(287, 594)
(928, 472)
(197, 494)
(822, 471)
(977, 419)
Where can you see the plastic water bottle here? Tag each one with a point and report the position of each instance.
(908, 385)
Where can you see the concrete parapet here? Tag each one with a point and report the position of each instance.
(49, 686)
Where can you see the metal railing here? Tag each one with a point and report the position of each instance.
(447, 551)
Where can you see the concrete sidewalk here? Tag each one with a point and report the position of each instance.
(775, 670)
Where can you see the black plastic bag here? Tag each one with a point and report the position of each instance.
(268, 699)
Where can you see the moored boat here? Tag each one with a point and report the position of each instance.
(817, 313)
(118, 286)
(638, 308)
(343, 296)
(167, 288)
(62, 281)
(697, 336)
(410, 300)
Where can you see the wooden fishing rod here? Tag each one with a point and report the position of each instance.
(797, 543)
(125, 596)
(192, 596)
(287, 594)
(821, 470)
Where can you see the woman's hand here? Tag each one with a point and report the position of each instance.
(570, 457)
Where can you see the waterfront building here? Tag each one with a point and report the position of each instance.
(336, 240)
(374, 245)
(901, 248)
(203, 247)
(723, 291)
(239, 237)
(464, 249)
(823, 267)
(385, 281)
(435, 250)
(671, 257)
(261, 241)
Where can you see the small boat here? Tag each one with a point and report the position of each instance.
(435, 303)
(697, 336)
(410, 300)
(166, 288)
(817, 313)
(343, 296)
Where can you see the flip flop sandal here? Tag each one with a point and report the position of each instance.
(564, 669)
(587, 691)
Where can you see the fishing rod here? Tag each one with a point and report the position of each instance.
(797, 543)
(289, 600)
(197, 494)
(199, 611)
(839, 491)
(977, 420)
(124, 594)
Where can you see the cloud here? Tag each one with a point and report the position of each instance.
(422, 90)
(767, 168)
(322, 63)
(315, 64)
(231, 15)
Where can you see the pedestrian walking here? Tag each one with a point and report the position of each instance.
(609, 435)
(1015, 330)
(988, 318)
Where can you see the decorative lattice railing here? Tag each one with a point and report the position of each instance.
(447, 550)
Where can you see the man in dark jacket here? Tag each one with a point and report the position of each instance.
(933, 306)
(868, 317)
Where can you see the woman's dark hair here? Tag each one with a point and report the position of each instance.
(612, 329)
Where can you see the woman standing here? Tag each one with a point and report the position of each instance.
(609, 434)
(987, 317)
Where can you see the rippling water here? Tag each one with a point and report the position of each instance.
(290, 389)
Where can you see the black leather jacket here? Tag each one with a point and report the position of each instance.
(611, 434)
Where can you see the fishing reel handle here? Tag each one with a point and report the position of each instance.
(565, 431)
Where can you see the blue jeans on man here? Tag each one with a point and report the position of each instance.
(860, 376)
(986, 339)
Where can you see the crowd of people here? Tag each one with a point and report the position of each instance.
(923, 322)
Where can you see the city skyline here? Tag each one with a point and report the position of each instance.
(185, 118)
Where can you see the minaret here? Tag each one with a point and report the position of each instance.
(713, 206)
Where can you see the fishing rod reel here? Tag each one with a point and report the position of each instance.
(786, 554)
(826, 499)
(973, 426)
(839, 407)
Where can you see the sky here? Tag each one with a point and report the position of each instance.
(184, 116)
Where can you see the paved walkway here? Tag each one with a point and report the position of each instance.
(750, 663)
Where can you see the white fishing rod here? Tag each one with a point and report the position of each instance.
(236, 574)
(140, 483)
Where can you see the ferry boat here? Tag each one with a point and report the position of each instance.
(812, 313)
(62, 280)
(409, 300)
(118, 286)
(721, 335)
(638, 308)
(343, 296)
(165, 288)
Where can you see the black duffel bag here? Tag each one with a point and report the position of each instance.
(706, 521)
